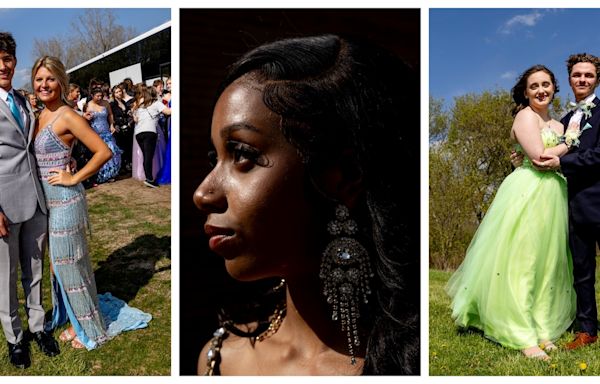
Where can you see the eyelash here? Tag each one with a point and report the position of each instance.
(243, 154)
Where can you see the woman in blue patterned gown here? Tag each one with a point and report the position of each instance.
(102, 122)
(74, 292)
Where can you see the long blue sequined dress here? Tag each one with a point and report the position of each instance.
(95, 318)
(111, 168)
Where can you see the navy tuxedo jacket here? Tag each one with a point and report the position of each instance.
(581, 166)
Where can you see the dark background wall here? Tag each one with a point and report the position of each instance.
(210, 40)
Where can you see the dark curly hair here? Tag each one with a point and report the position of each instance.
(584, 58)
(338, 96)
(518, 91)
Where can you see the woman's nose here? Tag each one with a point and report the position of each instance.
(209, 196)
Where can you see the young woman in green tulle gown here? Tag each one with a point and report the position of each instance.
(515, 283)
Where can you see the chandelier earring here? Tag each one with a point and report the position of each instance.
(345, 274)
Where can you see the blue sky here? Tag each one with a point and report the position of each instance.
(471, 50)
(35, 23)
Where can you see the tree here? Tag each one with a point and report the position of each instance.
(468, 159)
(95, 32)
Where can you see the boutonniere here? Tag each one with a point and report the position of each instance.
(586, 108)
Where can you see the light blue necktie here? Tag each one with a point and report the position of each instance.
(14, 109)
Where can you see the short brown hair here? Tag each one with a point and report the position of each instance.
(584, 58)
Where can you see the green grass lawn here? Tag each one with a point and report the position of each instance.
(130, 248)
(454, 353)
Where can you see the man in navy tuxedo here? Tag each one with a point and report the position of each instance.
(581, 166)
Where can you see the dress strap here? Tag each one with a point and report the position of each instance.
(213, 356)
(58, 115)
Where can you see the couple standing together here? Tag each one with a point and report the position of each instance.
(530, 268)
(40, 198)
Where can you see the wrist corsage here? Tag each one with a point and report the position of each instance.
(571, 138)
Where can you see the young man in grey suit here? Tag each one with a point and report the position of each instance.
(23, 220)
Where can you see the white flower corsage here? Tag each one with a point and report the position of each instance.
(571, 138)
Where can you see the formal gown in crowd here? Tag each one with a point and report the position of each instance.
(516, 281)
(137, 160)
(164, 176)
(110, 170)
(124, 135)
(95, 318)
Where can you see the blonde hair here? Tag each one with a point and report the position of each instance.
(54, 65)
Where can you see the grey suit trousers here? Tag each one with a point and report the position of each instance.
(24, 245)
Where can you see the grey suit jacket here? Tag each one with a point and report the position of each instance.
(20, 189)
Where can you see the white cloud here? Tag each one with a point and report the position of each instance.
(22, 78)
(508, 75)
(527, 20)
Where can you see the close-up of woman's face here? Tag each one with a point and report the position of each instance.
(258, 217)
(97, 97)
(540, 89)
(45, 85)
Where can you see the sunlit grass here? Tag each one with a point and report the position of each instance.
(454, 353)
(130, 252)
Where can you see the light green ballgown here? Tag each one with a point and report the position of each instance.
(516, 283)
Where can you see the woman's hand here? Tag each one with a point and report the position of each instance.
(61, 177)
(547, 163)
(516, 158)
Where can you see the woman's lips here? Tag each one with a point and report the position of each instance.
(219, 238)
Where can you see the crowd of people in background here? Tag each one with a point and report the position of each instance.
(133, 120)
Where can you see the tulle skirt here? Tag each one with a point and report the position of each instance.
(516, 283)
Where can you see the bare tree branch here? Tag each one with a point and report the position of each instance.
(95, 31)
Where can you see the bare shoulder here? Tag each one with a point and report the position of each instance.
(203, 358)
(71, 116)
(526, 119)
(234, 355)
(526, 114)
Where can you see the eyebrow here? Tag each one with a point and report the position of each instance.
(228, 130)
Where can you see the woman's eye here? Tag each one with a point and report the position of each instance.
(242, 152)
(245, 155)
